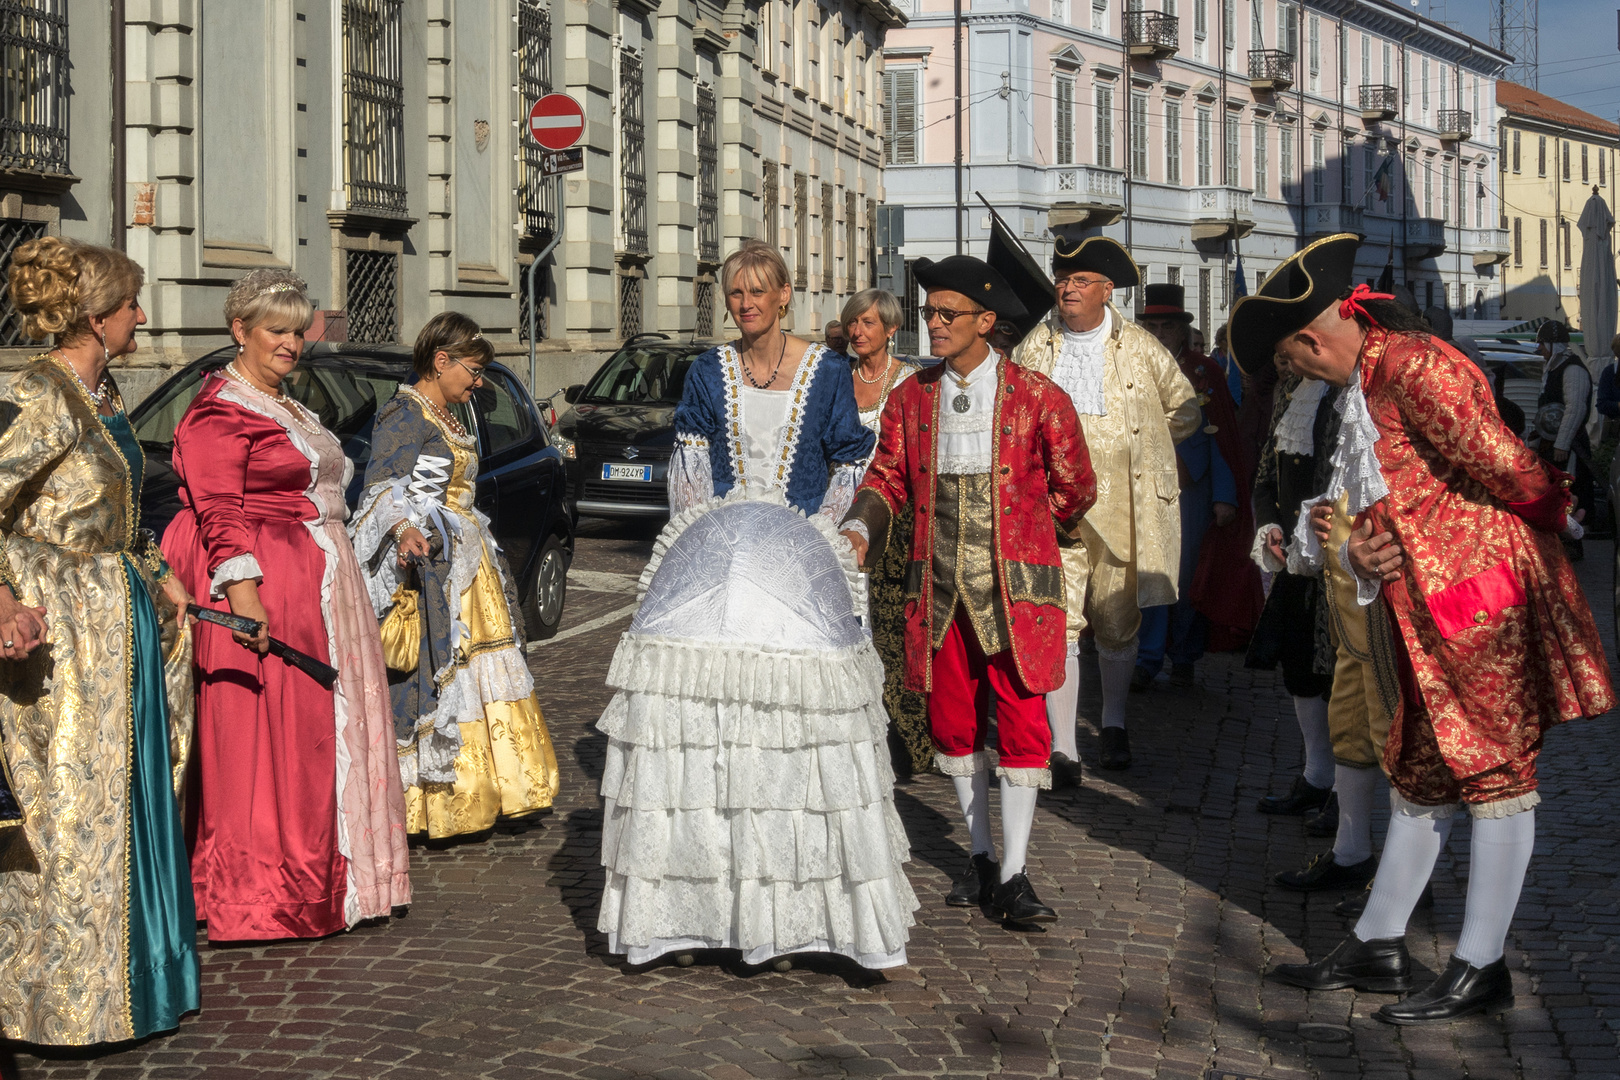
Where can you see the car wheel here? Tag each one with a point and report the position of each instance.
(544, 609)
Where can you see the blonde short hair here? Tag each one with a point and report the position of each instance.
(757, 260)
(887, 304)
(59, 285)
(270, 296)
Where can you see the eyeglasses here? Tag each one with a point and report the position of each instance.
(1080, 282)
(946, 315)
(476, 373)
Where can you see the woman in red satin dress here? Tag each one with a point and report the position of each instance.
(301, 828)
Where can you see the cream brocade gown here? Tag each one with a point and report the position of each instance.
(473, 743)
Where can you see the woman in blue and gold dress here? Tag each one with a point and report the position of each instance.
(97, 926)
(473, 745)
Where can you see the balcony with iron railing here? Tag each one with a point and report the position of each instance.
(1271, 69)
(1379, 102)
(1328, 219)
(1455, 125)
(1151, 35)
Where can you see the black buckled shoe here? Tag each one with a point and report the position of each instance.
(1065, 771)
(1352, 907)
(973, 888)
(1325, 822)
(1324, 872)
(1373, 967)
(1461, 990)
(1015, 901)
(1116, 749)
(1301, 799)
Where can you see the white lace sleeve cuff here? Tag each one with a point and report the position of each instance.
(241, 568)
(1366, 591)
(1262, 556)
(691, 480)
(840, 492)
(1573, 529)
(858, 527)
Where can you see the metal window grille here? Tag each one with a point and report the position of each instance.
(12, 233)
(632, 157)
(708, 181)
(703, 300)
(373, 291)
(852, 222)
(801, 231)
(629, 302)
(373, 105)
(34, 85)
(771, 203)
(538, 196)
(829, 238)
(542, 310)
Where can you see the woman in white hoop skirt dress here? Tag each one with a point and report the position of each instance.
(748, 792)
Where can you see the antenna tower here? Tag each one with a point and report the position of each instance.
(1513, 30)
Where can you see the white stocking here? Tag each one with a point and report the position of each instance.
(1116, 688)
(1062, 705)
(973, 792)
(1017, 818)
(1312, 713)
(1355, 788)
(1410, 849)
(1499, 856)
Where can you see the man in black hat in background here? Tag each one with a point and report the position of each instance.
(1215, 480)
(992, 458)
(1134, 406)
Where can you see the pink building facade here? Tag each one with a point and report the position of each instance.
(1201, 132)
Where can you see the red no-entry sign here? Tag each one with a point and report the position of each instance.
(556, 121)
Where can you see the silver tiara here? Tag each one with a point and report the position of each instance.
(280, 286)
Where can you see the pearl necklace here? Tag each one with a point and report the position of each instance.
(860, 371)
(454, 426)
(291, 406)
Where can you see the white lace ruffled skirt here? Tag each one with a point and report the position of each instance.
(748, 803)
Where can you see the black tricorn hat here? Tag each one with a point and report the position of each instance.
(1097, 255)
(1165, 301)
(1291, 296)
(974, 279)
(1018, 268)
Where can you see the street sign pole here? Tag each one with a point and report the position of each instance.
(556, 122)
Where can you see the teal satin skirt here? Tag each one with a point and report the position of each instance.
(164, 975)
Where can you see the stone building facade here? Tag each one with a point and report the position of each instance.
(1201, 131)
(379, 149)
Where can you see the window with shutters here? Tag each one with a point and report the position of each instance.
(1563, 242)
(1565, 144)
(1200, 19)
(1060, 10)
(1318, 169)
(1518, 241)
(1172, 142)
(632, 154)
(1063, 120)
(1369, 168)
(1204, 277)
(1543, 224)
(1346, 173)
(852, 221)
(801, 231)
(1445, 192)
(1541, 155)
(901, 122)
(1105, 127)
(1406, 78)
(1099, 16)
(1479, 199)
(771, 202)
(1202, 147)
(1515, 151)
(1287, 27)
(1285, 161)
(1366, 60)
(34, 116)
(1425, 84)
(1445, 76)
(1257, 36)
(1428, 189)
(829, 238)
(1603, 162)
(1260, 168)
(1585, 166)
(1314, 57)
(1234, 165)
(373, 106)
(1139, 136)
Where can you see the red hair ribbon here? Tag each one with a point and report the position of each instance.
(1350, 306)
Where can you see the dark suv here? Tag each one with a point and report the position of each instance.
(521, 485)
(618, 436)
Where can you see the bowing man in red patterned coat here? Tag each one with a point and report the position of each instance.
(991, 456)
(1458, 527)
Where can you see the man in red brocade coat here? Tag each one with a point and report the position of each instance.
(1494, 642)
(992, 458)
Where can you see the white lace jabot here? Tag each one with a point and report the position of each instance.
(1356, 475)
(965, 437)
(1296, 431)
(1080, 364)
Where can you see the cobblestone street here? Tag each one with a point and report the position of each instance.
(1160, 875)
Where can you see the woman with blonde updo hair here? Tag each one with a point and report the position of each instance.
(96, 919)
(473, 746)
(301, 828)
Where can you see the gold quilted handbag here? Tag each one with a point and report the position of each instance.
(402, 630)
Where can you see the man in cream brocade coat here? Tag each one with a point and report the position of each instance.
(1134, 406)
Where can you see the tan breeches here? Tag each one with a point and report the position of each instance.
(1101, 593)
(1358, 723)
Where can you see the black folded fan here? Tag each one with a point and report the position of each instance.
(325, 674)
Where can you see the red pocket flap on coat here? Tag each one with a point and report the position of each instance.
(1475, 601)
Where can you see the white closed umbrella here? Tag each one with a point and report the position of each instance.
(1598, 295)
